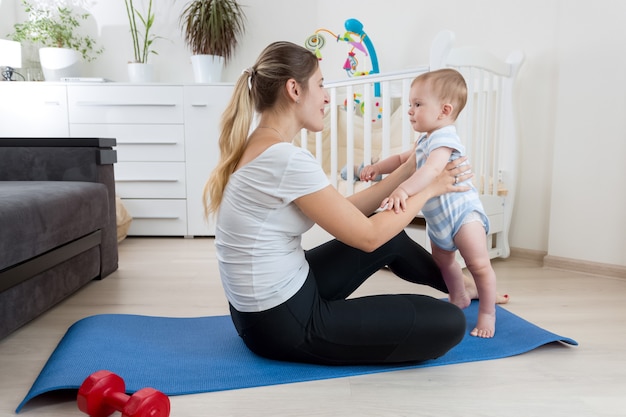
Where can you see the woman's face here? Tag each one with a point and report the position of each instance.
(314, 102)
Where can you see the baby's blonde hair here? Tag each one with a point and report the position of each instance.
(449, 85)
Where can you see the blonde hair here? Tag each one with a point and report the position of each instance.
(259, 88)
(449, 85)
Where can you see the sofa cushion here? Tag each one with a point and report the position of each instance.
(37, 216)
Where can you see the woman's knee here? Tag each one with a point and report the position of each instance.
(438, 327)
(451, 328)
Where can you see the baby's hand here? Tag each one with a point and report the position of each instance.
(396, 201)
(369, 172)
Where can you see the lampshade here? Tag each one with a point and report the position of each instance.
(10, 54)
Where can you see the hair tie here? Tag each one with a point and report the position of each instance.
(250, 73)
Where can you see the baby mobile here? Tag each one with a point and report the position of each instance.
(359, 41)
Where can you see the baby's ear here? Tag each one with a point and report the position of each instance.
(446, 110)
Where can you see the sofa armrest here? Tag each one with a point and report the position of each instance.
(66, 159)
(55, 159)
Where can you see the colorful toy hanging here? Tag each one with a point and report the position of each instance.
(359, 107)
(358, 41)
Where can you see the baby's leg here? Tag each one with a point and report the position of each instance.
(452, 275)
(472, 243)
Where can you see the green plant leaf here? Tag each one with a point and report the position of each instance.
(55, 28)
(212, 26)
(142, 40)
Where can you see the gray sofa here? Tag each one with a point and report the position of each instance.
(57, 222)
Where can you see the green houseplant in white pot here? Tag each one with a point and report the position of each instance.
(211, 29)
(139, 70)
(55, 30)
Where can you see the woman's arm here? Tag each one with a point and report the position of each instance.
(386, 166)
(345, 218)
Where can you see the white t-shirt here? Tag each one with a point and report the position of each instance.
(259, 227)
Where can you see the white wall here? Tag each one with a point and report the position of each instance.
(590, 139)
(571, 94)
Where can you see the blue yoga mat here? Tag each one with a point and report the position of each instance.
(191, 355)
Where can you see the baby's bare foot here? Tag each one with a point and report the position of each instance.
(486, 326)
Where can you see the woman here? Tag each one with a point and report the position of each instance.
(290, 304)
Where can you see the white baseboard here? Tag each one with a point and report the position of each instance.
(596, 268)
(529, 254)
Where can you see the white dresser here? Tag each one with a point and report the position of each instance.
(166, 143)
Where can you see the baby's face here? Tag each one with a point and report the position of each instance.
(425, 109)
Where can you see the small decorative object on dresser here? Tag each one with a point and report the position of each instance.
(54, 29)
(10, 58)
(139, 70)
(211, 29)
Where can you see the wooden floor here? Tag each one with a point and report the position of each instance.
(178, 278)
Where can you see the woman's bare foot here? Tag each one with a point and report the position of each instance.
(502, 299)
(472, 291)
(460, 300)
(486, 326)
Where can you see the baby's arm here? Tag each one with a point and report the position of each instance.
(386, 166)
(435, 163)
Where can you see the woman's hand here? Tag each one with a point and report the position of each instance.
(454, 174)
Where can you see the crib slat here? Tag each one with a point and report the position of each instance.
(406, 125)
(350, 140)
(367, 124)
(385, 120)
(333, 137)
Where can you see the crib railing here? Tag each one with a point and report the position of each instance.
(368, 112)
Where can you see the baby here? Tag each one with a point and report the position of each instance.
(455, 220)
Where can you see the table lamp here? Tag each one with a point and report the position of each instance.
(10, 57)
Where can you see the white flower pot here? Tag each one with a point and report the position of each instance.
(57, 63)
(140, 73)
(207, 68)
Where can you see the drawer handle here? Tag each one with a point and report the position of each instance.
(146, 180)
(105, 104)
(156, 217)
(199, 105)
(147, 143)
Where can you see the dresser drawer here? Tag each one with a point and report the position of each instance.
(29, 109)
(204, 106)
(150, 179)
(139, 142)
(157, 217)
(125, 104)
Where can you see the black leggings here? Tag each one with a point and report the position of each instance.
(319, 325)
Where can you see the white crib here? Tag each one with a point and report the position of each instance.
(361, 127)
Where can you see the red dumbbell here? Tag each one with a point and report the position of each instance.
(103, 393)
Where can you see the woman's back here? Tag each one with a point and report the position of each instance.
(259, 228)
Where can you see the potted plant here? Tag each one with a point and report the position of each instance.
(54, 29)
(139, 70)
(211, 29)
